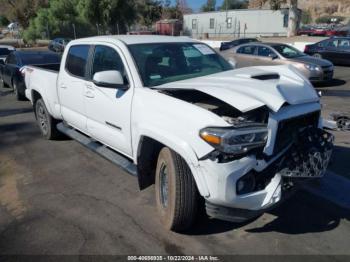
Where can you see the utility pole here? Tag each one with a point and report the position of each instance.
(74, 32)
(98, 29)
(47, 30)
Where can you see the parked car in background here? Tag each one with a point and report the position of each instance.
(186, 121)
(233, 43)
(58, 44)
(10, 73)
(5, 50)
(336, 49)
(306, 30)
(252, 54)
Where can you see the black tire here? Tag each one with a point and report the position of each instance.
(317, 55)
(2, 84)
(46, 122)
(176, 192)
(18, 94)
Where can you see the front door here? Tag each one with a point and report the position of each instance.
(71, 86)
(108, 109)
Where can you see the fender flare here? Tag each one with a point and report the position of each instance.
(181, 147)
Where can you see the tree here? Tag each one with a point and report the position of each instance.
(209, 6)
(4, 21)
(234, 4)
(23, 10)
(306, 17)
(114, 15)
(292, 5)
(57, 19)
(149, 12)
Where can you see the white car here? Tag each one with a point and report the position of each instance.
(173, 112)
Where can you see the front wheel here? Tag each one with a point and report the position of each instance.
(46, 122)
(176, 191)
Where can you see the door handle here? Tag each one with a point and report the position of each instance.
(63, 86)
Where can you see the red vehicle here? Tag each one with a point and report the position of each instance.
(305, 30)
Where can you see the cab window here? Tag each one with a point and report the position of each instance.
(265, 51)
(247, 50)
(77, 58)
(106, 59)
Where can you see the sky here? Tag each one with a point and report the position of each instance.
(196, 4)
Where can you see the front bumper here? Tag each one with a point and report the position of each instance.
(322, 76)
(273, 174)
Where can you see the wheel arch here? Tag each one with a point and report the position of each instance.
(148, 148)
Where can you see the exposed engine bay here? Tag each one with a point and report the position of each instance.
(227, 112)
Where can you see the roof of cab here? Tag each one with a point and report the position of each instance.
(138, 39)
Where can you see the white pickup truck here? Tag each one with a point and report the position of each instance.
(173, 112)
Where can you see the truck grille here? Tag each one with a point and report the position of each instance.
(289, 129)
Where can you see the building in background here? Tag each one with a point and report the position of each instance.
(237, 23)
(171, 27)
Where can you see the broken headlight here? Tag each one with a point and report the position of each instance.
(236, 140)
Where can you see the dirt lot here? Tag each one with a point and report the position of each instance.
(57, 197)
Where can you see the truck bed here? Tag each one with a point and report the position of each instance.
(43, 79)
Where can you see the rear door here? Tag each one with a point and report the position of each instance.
(71, 83)
(108, 109)
(246, 56)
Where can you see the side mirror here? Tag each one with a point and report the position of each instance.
(109, 79)
(2, 62)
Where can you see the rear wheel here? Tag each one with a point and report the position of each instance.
(317, 55)
(46, 122)
(176, 191)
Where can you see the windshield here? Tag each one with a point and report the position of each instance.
(162, 63)
(39, 58)
(288, 51)
(4, 51)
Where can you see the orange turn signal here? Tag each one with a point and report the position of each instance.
(211, 138)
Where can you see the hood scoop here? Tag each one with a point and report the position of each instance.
(266, 76)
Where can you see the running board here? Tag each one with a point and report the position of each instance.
(109, 154)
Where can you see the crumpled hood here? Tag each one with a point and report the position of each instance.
(239, 89)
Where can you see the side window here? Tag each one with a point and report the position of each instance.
(333, 43)
(265, 51)
(344, 43)
(77, 60)
(247, 50)
(211, 23)
(105, 59)
(229, 22)
(323, 43)
(194, 24)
